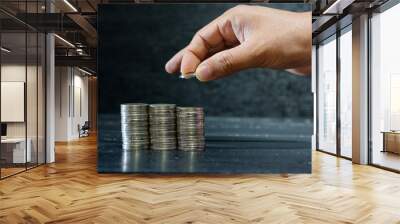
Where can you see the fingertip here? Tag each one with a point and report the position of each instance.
(189, 63)
(170, 68)
(173, 65)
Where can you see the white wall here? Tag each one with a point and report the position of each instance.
(33, 127)
(71, 94)
(80, 85)
(17, 73)
(12, 73)
(50, 94)
(62, 81)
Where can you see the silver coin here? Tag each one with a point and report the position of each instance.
(162, 126)
(134, 105)
(190, 128)
(162, 106)
(134, 126)
(133, 148)
(136, 142)
(134, 117)
(133, 140)
(164, 141)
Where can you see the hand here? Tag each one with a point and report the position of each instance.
(247, 37)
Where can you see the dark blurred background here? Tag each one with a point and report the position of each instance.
(135, 42)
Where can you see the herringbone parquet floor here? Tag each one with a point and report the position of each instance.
(70, 191)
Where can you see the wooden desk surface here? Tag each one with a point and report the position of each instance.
(391, 132)
(13, 140)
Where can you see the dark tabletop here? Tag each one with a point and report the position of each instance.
(233, 145)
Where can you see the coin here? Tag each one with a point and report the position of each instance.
(187, 76)
(162, 119)
(134, 126)
(190, 128)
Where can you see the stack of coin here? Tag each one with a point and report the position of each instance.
(162, 126)
(190, 125)
(134, 126)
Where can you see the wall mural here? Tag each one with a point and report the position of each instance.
(257, 121)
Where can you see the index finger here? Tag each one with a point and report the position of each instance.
(210, 39)
(213, 38)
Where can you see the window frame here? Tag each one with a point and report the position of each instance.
(378, 10)
(27, 29)
(333, 37)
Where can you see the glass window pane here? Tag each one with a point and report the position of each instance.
(385, 87)
(13, 88)
(32, 86)
(327, 96)
(23, 90)
(41, 98)
(346, 94)
(31, 97)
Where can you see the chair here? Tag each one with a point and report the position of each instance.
(84, 130)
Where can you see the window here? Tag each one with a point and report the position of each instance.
(385, 89)
(327, 95)
(22, 77)
(346, 92)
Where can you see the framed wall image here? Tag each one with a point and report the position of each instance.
(12, 101)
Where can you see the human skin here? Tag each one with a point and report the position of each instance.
(247, 37)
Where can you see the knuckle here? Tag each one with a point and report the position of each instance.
(257, 56)
(198, 34)
(239, 8)
(233, 10)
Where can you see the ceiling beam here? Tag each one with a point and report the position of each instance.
(82, 61)
(80, 20)
(86, 27)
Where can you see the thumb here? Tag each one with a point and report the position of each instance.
(224, 63)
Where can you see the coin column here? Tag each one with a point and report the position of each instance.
(190, 125)
(162, 126)
(134, 126)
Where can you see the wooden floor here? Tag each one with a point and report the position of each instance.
(387, 159)
(5, 172)
(70, 191)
